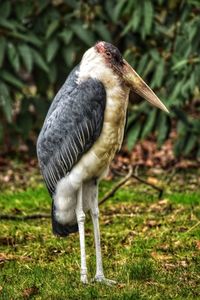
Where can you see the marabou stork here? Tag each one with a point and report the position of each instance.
(82, 131)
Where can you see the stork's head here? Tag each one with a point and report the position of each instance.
(114, 60)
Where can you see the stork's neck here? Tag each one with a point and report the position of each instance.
(94, 66)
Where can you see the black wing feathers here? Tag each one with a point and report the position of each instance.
(71, 127)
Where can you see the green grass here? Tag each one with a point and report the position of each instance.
(150, 247)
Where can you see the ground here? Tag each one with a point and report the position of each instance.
(150, 247)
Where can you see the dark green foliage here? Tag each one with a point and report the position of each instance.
(40, 41)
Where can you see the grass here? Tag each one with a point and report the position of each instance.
(150, 247)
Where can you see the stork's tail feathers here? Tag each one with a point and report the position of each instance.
(60, 229)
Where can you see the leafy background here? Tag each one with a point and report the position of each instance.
(40, 42)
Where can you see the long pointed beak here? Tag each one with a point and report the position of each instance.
(138, 85)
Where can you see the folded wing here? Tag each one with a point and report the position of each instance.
(73, 124)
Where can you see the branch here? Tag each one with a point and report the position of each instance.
(117, 186)
(160, 190)
(125, 179)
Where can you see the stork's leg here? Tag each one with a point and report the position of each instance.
(81, 222)
(95, 219)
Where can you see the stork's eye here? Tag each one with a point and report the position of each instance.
(108, 54)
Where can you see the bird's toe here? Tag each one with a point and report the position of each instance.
(84, 279)
(104, 280)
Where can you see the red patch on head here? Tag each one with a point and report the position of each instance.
(100, 47)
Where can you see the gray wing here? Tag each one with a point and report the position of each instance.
(71, 127)
(69, 85)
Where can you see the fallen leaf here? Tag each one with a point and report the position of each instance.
(163, 202)
(152, 223)
(161, 206)
(121, 285)
(198, 245)
(183, 263)
(6, 256)
(28, 292)
(182, 229)
(161, 257)
(177, 244)
(164, 247)
(152, 180)
(169, 266)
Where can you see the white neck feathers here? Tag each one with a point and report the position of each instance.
(94, 66)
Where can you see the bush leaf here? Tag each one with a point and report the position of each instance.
(2, 49)
(5, 101)
(52, 49)
(26, 55)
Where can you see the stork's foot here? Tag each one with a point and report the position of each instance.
(84, 279)
(104, 280)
